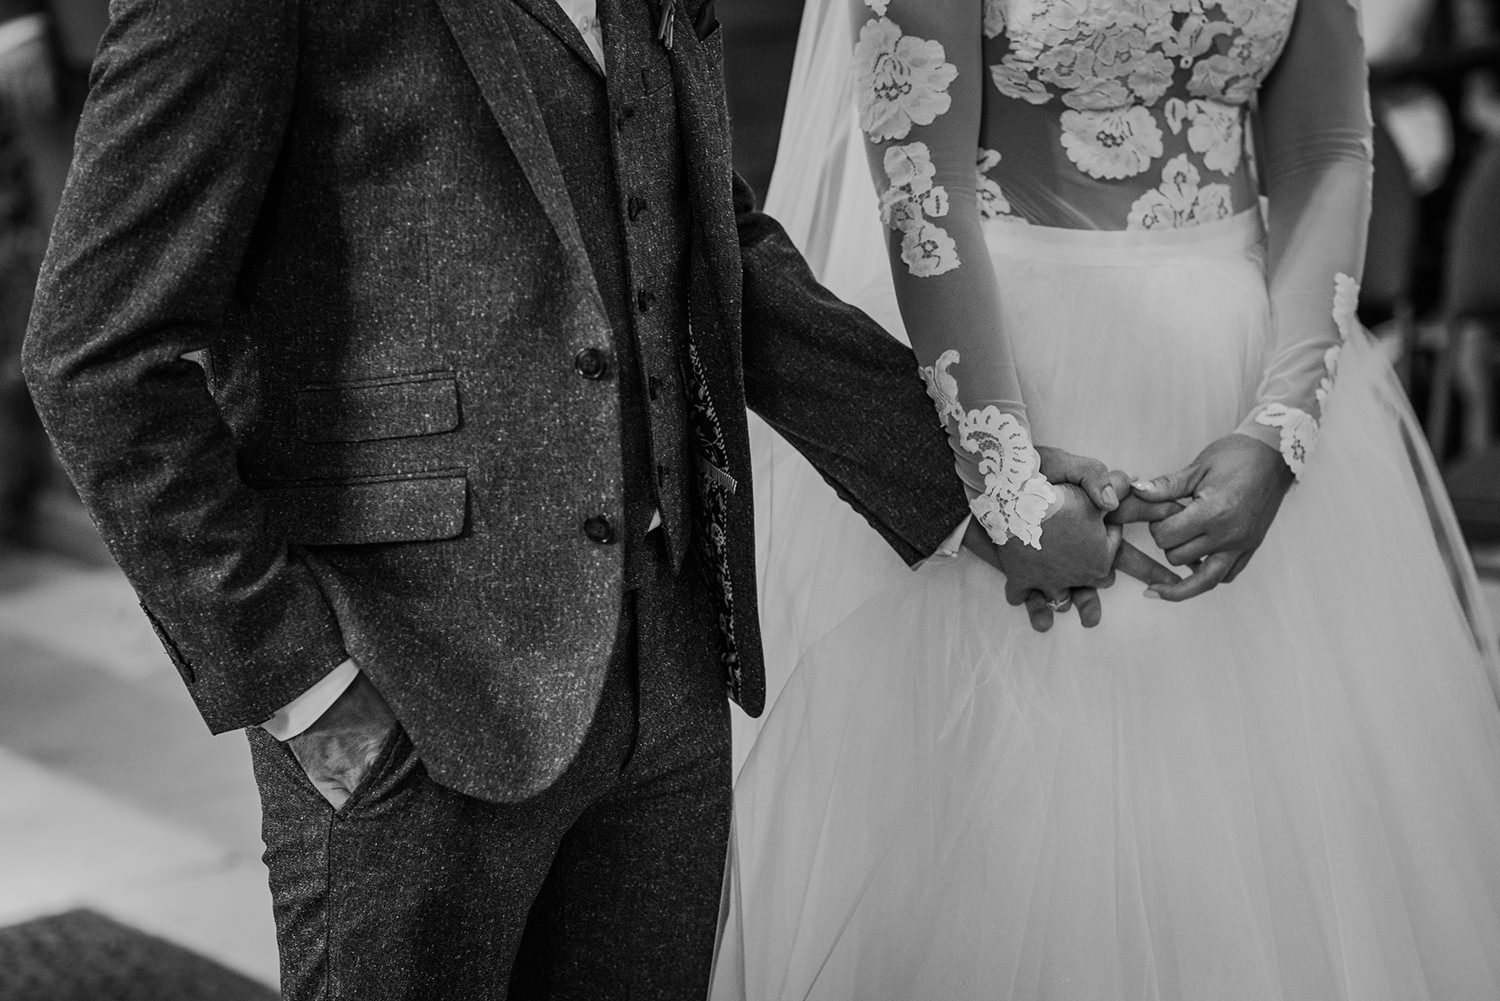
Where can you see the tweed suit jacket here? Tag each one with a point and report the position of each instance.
(350, 215)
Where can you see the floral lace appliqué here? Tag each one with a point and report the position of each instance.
(1179, 200)
(900, 80)
(1215, 131)
(942, 387)
(1112, 63)
(908, 206)
(1299, 429)
(1015, 82)
(994, 18)
(1112, 144)
(992, 201)
(1299, 433)
(1099, 55)
(1345, 305)
(1016, 496)
(1254, 34)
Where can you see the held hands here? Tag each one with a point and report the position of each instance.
(1076, 559)
(1080, 551)
(1213, 514)
(338, 751)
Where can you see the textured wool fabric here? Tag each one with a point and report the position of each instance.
(358, 216)
(606, 885)
(638, 254)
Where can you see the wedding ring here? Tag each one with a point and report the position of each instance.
(1060, 604)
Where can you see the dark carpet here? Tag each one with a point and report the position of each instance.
(85, 956)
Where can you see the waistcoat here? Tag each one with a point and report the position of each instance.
(617, 143)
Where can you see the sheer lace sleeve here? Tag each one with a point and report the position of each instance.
(1315, 125)
(918, 79)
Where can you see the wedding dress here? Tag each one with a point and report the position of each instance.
(1288, 788)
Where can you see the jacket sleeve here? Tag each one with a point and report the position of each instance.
(183, 126)
(1315, 127)
(817, 369)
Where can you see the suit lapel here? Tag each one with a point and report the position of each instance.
(556, 21)
(488, 47)
(697, 68)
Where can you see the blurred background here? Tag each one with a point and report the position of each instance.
(129, 838)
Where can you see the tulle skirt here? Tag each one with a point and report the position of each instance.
(1288, 788)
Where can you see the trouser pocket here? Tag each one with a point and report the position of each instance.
(393, 765)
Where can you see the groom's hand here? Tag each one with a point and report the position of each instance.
(1078, 552)
(339, 750)
(1085, 599)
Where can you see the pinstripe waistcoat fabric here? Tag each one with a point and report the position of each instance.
(401, 449)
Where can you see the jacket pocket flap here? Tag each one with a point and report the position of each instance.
(655, 75)
(422, 508)
(405, 406)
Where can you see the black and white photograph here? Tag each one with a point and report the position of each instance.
(749, 500)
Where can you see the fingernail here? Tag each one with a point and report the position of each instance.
(1111, 500)
(1140, 485)
(1152, 592)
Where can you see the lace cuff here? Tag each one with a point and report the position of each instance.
(1016, 496)
(1295, 428)
(996, 460)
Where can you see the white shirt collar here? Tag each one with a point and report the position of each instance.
(585, 17)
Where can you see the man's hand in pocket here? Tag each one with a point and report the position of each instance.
(339, 750)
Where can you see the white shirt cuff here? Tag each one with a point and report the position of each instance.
(955, 540)
(19, 30)
(307, 708)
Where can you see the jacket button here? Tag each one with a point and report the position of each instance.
(643, 300)
(591, 363)
(598, 529)
(636, 207)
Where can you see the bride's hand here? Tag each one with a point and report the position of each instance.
(1225, 501)
(1109, 489)
(1105, 487)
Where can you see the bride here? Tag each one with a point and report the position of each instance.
(1285, 787)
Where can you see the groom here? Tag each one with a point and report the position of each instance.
(401, 352)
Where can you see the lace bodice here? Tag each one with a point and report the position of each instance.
(1109, 114)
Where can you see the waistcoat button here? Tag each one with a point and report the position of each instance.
(591, 363)
(643, 300)
(637, 207)
(598, 529)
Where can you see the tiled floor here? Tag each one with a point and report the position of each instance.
(116, 797)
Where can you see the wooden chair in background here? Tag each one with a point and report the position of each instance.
(1464, 364)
